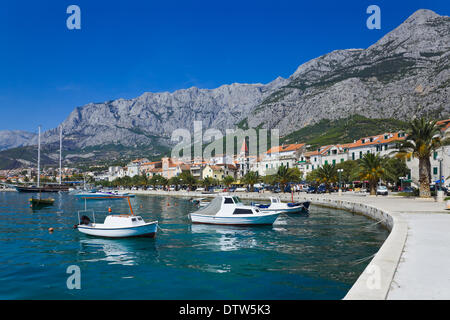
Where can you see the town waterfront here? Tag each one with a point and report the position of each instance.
(315, 256)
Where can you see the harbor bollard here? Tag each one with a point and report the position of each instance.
(440, 196)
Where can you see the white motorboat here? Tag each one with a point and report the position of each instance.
(291, 207)
(229, 210)
(117, 226)
(103, 195)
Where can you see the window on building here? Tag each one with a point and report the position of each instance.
(360, 154)
(435, 170)
(435, 154)
(334, 162)
(342, 159)
(312, 167)
(326, 161)
(353, 156)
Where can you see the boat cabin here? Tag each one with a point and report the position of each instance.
(226, 206)
(123, 220)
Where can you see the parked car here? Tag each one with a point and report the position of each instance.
(311, 189)
(382, 190)
(409, 189)
(434, 187)
(321, 189)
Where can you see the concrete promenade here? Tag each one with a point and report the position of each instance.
(414, 261)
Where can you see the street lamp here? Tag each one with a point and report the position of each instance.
(440, 171)
(340, 184)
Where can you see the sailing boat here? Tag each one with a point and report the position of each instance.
(48, 187)
(39, 202)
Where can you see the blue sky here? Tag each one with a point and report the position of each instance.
(125, 48)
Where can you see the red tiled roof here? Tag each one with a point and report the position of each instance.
(285, 148)
(378, 139)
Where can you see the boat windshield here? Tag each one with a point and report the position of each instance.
(237, 199)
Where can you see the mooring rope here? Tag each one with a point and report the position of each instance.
(361, 260)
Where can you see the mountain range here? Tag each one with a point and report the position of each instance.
(403, 75)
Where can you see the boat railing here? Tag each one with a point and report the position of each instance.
(99, 213)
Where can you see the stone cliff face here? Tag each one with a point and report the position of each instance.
(404, 74)
(154, 116)
(14, 138)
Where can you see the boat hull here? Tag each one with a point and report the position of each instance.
(43, 189)
(264, 219)
(302, 208)
(147, 230)
(38, 203)
(102, 196)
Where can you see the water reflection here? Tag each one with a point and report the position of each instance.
(298, 257)
(127, 252)
(227, 238)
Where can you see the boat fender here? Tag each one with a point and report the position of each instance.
(75, 226)
(109, 210)
(50, 230)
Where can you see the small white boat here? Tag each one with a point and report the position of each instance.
(103, 195)
(117, 226)
(229, 210)
(291, 207)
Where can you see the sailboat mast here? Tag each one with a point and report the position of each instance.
(60, 155)
(39, 158)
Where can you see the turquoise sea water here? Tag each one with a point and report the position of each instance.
(299, 257)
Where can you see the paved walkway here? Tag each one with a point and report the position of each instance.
(422, 269)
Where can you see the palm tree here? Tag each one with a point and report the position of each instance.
(285, 175)
(228, 181)
(207, 182)
(326, 174)
(154, 180)
(188, 179)
(423, 138)
(371, 169)
(176, 181)
(251, 178)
